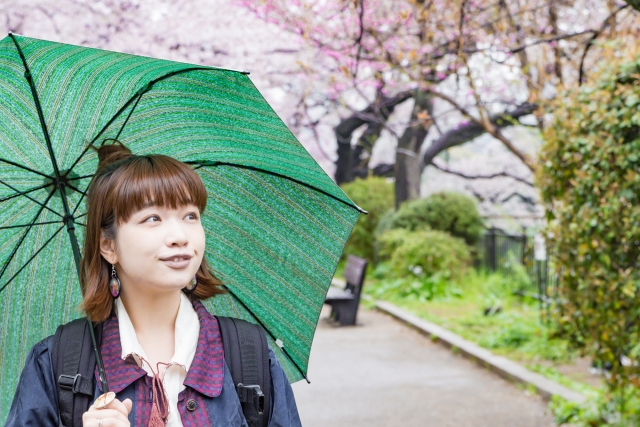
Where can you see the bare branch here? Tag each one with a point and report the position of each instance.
(497, 198)
(526, 199)
(471, 130)
(490, 176)
(595, 35)
(550, 39)
(492, 130)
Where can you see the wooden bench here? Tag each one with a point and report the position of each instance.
(344, 303)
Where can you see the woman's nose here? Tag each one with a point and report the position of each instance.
(176, 235)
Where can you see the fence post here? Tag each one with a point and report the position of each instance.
(492, 251)
(524, 246)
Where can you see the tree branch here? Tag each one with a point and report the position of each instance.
(496, 198)
(549, 40)
(595, 35)
(475, 128)
(490, 176)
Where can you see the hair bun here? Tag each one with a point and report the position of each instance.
(112, 153)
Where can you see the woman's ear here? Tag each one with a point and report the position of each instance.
(108, 249)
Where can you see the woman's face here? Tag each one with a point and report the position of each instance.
(157, 249)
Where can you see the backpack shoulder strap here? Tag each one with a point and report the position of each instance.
(74, 362)
(247, 355)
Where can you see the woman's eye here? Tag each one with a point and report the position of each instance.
(153, 218)
(192, 216)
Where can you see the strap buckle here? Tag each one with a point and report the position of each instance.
(69, 382)
(251, 394)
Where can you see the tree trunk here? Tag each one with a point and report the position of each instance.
(407, 167)
(363, 149)
(343, 137)
(376, 116)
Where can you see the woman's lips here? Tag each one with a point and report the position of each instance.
(181, 263)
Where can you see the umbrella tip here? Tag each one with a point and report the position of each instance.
(361, 210)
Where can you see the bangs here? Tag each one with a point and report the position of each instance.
(155, 180)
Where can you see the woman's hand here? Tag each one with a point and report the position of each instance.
(114, 415)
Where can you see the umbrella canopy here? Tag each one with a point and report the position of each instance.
(276, 224)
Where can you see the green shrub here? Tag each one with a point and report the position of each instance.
(600, 409)
(454, 213)
(424, 252)
(414, 286)
(375, 195)
(384, 224)
(590, 183)
(528, 335)
(513, 335)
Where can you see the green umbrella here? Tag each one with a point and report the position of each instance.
(276, 224)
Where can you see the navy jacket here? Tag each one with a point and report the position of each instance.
(208, 383)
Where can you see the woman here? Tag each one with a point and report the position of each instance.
(143, 276)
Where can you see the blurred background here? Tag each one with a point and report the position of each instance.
(494, 144)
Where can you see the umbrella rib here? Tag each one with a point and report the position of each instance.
(268, 331)
(24, 235)
(31, 259)
(84, 193)
(80, 177)
(130, 113)
(28, 225)
(24, 167)
(78, 205)
(36, 100)
(82, 154)
(76, 189)
(43, 205)
(200, 164)
(136, 97)
(22, 193)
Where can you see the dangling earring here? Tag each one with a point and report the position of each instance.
(191, 286)
(114, 283)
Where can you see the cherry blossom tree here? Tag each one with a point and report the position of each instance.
(469, 67)
(340, 72)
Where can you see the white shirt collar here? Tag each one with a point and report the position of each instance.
(186, 340)
(187, 330)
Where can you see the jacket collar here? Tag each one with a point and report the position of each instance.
(205, 375)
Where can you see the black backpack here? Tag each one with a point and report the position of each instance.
(245, 351)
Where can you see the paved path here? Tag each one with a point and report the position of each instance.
(381, 373)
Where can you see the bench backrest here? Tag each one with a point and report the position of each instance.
(354, 273)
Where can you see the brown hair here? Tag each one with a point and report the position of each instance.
(123, 184)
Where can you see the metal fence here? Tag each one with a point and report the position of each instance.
(510, 254)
